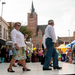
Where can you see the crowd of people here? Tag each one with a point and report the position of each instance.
(37, 55)
(6, 54)
(68, 56)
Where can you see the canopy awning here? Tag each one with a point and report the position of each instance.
(9, 43)
(62, 47)
(3, 42)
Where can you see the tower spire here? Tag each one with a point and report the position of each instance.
(32, 9)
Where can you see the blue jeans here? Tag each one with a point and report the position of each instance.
(51, 52)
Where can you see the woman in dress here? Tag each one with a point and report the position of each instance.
(18, 47)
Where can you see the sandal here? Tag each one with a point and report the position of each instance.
(19, 64)
(26, 70)
(11, 70)
(14, 66)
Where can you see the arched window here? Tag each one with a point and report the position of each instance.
(4, 33)
(0, 28)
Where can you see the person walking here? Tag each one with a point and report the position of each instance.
(45, 50)
(51, 52)
(18, 47)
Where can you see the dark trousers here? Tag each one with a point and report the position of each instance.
(11, 57)
(40, 58)
(51, 52)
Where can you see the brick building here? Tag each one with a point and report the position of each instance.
(38, 30)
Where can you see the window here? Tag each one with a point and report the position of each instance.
(31, 23)
(39, 36)
(0, 31)
(4, 33)
(36, 37)
(0, 28)
(37, 42)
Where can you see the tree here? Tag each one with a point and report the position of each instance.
(10, 28)
(24, 31)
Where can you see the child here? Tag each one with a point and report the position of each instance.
(10, 53)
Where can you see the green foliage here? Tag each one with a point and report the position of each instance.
(24, 31)
(9, 30)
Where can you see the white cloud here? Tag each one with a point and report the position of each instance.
(65, 23)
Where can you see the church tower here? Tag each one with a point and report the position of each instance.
(32, 23)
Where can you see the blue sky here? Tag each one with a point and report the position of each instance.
(61, 11)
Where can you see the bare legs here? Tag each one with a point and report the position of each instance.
(13, 61)
(23, 62)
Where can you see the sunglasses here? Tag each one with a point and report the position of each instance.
(19, 25)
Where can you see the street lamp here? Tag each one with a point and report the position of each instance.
(2, 12)
(2, 8)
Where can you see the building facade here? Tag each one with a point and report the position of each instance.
(3, 31)
(66, 40)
